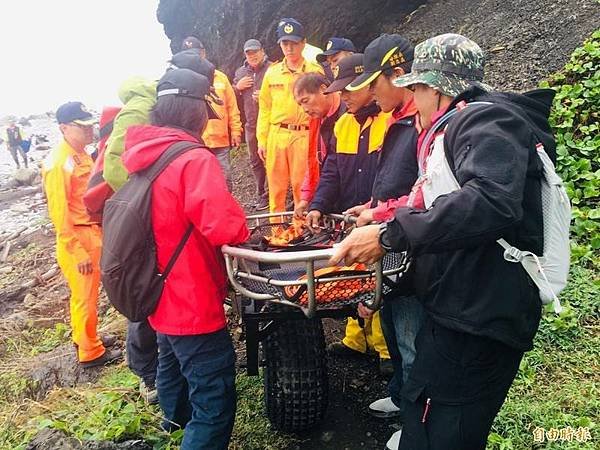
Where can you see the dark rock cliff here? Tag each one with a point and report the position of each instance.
(525, 40)
(224, 25)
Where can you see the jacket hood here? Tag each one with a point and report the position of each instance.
(137, 87)
(534, 106)
(144, 144)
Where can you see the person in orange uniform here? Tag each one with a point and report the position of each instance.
(282, 128)
(226, 132)
(66, 171)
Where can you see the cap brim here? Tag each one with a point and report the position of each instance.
(252, 48)
(290, 37)
(86, 122)
(339, 85)
(447, 84)
(323, 56)
(363, 80)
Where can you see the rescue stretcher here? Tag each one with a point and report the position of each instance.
(283, 263)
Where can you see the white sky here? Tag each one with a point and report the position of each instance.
(54, 51)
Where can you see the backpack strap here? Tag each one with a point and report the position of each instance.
(177, 251)
(168, 156)
(154, 171)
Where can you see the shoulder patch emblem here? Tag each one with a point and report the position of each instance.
(69, 164)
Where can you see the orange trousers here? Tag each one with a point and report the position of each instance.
(84, 292)
(286, 163)
(369, 337)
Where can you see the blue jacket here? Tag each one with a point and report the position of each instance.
(348, 174)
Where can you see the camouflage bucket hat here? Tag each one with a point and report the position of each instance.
(450, 63)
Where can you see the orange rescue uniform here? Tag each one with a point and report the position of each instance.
(78, 239)
(282, 130)
(219, 131)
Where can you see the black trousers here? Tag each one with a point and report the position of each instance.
(142, 350)
(457, 385)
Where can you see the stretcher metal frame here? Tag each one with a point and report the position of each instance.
(237, 268)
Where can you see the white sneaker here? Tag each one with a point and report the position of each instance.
(384, 408)
(394, 441)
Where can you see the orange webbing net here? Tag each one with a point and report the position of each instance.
(332, 291)
(281, 236)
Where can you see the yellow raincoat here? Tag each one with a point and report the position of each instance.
(65, 173)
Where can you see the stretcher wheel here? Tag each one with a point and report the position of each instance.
(296, 383)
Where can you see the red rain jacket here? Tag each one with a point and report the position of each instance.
(191, 189)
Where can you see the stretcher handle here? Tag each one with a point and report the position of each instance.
(277, 257)
(348, 218)
(310, 311)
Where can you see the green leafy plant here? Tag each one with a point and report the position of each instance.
(576, 121)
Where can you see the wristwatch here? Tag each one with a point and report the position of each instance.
(383, 238)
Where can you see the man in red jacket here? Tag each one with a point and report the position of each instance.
(196, 364)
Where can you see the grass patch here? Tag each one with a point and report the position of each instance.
(112, 410)
(557, 384)
(252, 430)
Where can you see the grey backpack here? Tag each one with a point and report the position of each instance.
(129, 268)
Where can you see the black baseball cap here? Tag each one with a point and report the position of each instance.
(191, 42)
(347, 70)
(385, 52)
(336, 45)
(186, 83)
(74, 112)
(290, 30)
(191, 59)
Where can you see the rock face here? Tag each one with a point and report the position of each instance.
(525, 40)
(224, 25)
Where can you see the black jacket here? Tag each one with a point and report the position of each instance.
(327, 134)
(348, 173)
(461, 275)
(397, 168)
(250, 105)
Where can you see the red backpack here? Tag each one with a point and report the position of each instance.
(98, 190)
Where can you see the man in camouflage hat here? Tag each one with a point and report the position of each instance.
(482, 311)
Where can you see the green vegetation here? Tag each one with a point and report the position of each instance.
(112, 410)
(557, 385)
(576, 121)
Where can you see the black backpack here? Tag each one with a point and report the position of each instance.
(129, 269)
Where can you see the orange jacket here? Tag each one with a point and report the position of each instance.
(219, 132)
(66, 173)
